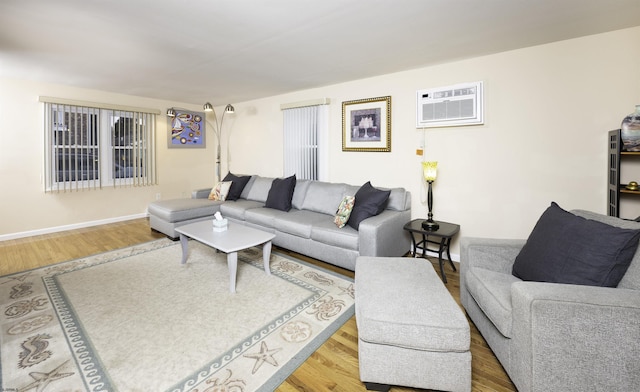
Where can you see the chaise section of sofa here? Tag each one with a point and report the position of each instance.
(308, 228)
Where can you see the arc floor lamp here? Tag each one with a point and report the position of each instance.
(217, 129)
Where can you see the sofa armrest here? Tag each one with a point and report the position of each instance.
(489, 253)
(201, 193)
(383, 235)
(584, 337)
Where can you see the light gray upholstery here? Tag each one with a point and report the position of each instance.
(177, 210)
(411, 332)
(549, 336)
(324, 197)
(308, 228)
(299, 193)
(259, 189)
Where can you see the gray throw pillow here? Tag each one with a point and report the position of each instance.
(566, 248)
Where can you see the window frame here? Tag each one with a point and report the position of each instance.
(93, 128)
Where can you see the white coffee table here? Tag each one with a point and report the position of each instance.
(237, 237)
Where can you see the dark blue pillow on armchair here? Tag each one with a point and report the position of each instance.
(566, 248)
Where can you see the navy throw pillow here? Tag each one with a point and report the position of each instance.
(281, 193)
(369, 202)
(237, 185)
(566, 248)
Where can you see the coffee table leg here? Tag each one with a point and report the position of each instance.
(232, 262)
(266, 256)
(184, 241)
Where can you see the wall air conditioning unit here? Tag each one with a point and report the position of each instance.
(450, 106)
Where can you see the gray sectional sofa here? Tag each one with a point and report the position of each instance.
(308, 228)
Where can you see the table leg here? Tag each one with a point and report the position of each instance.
(232, 262)
(440, 261)
(414, 245)
(184, 241)
(449, 255)
(266, 256)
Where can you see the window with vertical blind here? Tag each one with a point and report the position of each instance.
(89, 146)
(305, 132)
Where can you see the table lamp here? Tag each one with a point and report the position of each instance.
(430, 171)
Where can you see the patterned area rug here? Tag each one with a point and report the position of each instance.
(135, 319)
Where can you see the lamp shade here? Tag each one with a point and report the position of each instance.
(208, 107)
(171, 112)
(430, 171)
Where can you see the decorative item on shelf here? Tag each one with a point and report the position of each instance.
(430, 171)
(632, 186)
(630, 131)
(219, 223)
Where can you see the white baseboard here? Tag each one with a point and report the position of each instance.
(81, 225)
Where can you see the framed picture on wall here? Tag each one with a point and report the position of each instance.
(187, 130)
(366, 125)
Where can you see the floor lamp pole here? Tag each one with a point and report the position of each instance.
(218, 162)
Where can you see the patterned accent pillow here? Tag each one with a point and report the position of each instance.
(344, 211)
(220, 191)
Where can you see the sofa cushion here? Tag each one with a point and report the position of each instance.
(237, 209)
(398, 200)
(566, 248)
(323, 197)
(281, 193)
(326, 232)
(492, 292)
(178, 210)
(237, 185)
(298, 222)
(248, 187)
(264, 217)
(369, 202)
(259, 189)
(299, 193)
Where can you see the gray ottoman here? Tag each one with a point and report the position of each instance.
(411, 332)
(166, 215)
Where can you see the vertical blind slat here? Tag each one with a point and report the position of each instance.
(301, 142)
(78, 140)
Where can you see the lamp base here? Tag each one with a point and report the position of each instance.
(430, 225)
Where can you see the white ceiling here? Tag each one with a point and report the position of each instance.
(194, 51)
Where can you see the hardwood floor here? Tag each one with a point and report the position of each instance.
(333, 367)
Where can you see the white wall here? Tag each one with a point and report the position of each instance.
(547, 112)
(24, 206)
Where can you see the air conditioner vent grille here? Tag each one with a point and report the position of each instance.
(450, 106)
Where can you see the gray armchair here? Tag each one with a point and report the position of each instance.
(551, 336)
